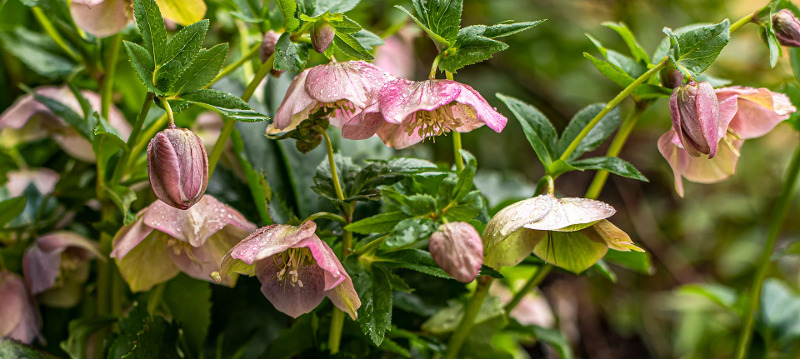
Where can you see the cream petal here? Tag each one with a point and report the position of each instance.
(148, 264)
(101, 18)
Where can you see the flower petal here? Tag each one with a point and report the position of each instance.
(509, 250)
(294, 300)
(457, 248)
(722, 166)
(759, 112)
(480, 113)
(42, 261)
(295, 106)
(148, 264)
(43, 179)
(18, 317)
(100, 18)
(325, 258)
(128, 237)
(364, 124)
(355, 81)
(266, 242)
(206, 259)
(400, 98)
(196, 224)
(395, 136)
(675, 156)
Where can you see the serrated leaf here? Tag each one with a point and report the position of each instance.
(613, 165)
(181, 52)
(286, 55)
(413, 259)
(630, 40)
(375, 313)
(596, 136)
(11, 208)
(440, 42)
(189, 303)
(469, 49)
(80, 331)
(334, 6)
(442, 17)
(538, 129)
(142, 63)
(288, 9)
(157, 339)
(379, 223)
(623, 79)
(37, 52)
(10, 348)
(350, 46)
(696, 49)
(205, 67)
(151, 25)
(502, 30)
(368, 39)
(411, 230)
(226, 104)
(122, 196)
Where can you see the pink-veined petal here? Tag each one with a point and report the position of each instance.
(293, 300)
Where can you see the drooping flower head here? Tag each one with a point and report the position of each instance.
(695, 117)
(57, 265)
(103, 18)
(177, 167)
(296, 269)
(744, 113)
(548, 226)
(165, 240)
(18, 317)
(787, 28)
(28, 120)
(342, 89)
(409, 111)
(457, 248)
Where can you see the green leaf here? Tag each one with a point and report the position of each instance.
(10, 348)
(696, 49)
(630, 40)
(794, 57)
(367, 39)
(447, 319)
(469, 48)
(379, 223)
(507, 29)
(181, 52)
(720, 294)
(38, 52)
(551, 337)
(205, 68)
(623, 79)
(350, 46)
(412, 205)
(411, 230)
(440, 42)
(614, 165)
(375, 313)
(572, 251)
(287, 56)
(189, 303)
(538, 129)
(413, 259)
(11, 208)
(226, 104)
(143, 64)
(596, 136)
(157, 339)
(442, 17)
(122, 196)
(293, 341)
(151, 25)
(334, 6)
(80, 330)
(72, 118)
(288, 9)
(633, 260)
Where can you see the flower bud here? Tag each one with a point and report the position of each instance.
(458, 249)
(695, 117)
(787, 28)
(671, 77)
(178, 167)
(268, 48)
(322, 35)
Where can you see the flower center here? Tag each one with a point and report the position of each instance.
(342, 108)
(432, 123)
(178, 246)
(290, 262)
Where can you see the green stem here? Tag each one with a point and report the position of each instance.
(335, 336)
(106, 91)
(50, 30)
(743, 21)
(168, 110)
(222, 140)
(468, 319)
(776, 222)
(534, 281)
(132, 139)
(155, 297)
(232, 67)
(326, 215)
(247, 67)
(332, 163)
(616, 147)
(435, 66)
(610, 106)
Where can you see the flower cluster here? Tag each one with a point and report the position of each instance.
(363, 101)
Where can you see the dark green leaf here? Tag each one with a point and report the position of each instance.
(412, 205)
(181, 52)
(538, 130)
(143, 64)
(292, 342)
(375, 313)
(469, 48)
(151, 25)
(380, 223)
(447, 319)
(633, 260)
(122, 196)
(794, 57)
(157, 339)
(334, 6)
(596, 136)
(350, 46)
(411, 230)
(614, 165)
(414, 259)
(548, 336)
(507, 29)
(11, 208)
(78, 122)
(189, 303)
(204, 68)
(226, 104)
(80, 330)
(696, 49)
(38, 52)
(367, 39)
(630, 40)
(440, 42)
(623, 79)
(10, 348)
(442, 17)
(287, 56)
(288, 9)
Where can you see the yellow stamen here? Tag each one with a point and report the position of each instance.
(432, 123)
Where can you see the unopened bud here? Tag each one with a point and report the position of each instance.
(695, 117)
(458, 249)
(787, 28)
(671, 77)
(268, 48)
(322, 35)
(178, 167)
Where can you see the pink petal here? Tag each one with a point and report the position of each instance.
(480, 113)
(163, 164)
(43, 179)
(759, 112)
(196, 224)
(673, 154)
(344, 295)
(355, 81)
(100, 18)
(400, 98)
(395, 136)
(292, 300)
(18, 317)
(42, 261)
(720, 167)
(26, 107)
(270, 240)
(206, 259)
(295, 106)
(364, 124)
(457, 248)
(395, 57)
(128, 237)
(325, 258)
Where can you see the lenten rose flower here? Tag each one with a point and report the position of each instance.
(28, 120)
(44, 179)
(409, 111)
(457, 248)
(165, 240)
(57, 266)
(694, 110)
(744, 113)
(553, 229)
(18, 317)
(341, 88)
(103, 18)
(297, 270)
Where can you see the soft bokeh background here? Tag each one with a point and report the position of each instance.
(702, 246)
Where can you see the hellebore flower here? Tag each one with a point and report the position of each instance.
(296, 269)
(56, 266)
(343, 88)
(18, 317)
(267, 48)
(164, 241)
(695, 117)
(533, 309)
(44, 179)
(29, 120)
(787, 28)
(411, 111)
(396, 55)
(571, 233)
(177, 166)
(744, 113)
(103, 18)
(458, 249)
(322, 36)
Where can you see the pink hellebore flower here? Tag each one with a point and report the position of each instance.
(18, 317)
(44, 179)
(101, 18)
(345, 88)
(457, 248)
(28, 120)
(165, 240)
(58, 263)
(695, 117)
(296, 269)
(409, 111)
(744, 113)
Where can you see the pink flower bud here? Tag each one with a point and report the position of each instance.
(458, 249)
(178, 167)
(787, 28)
(695, 117)
(322, 35)
(671, 77)
(268, 45)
